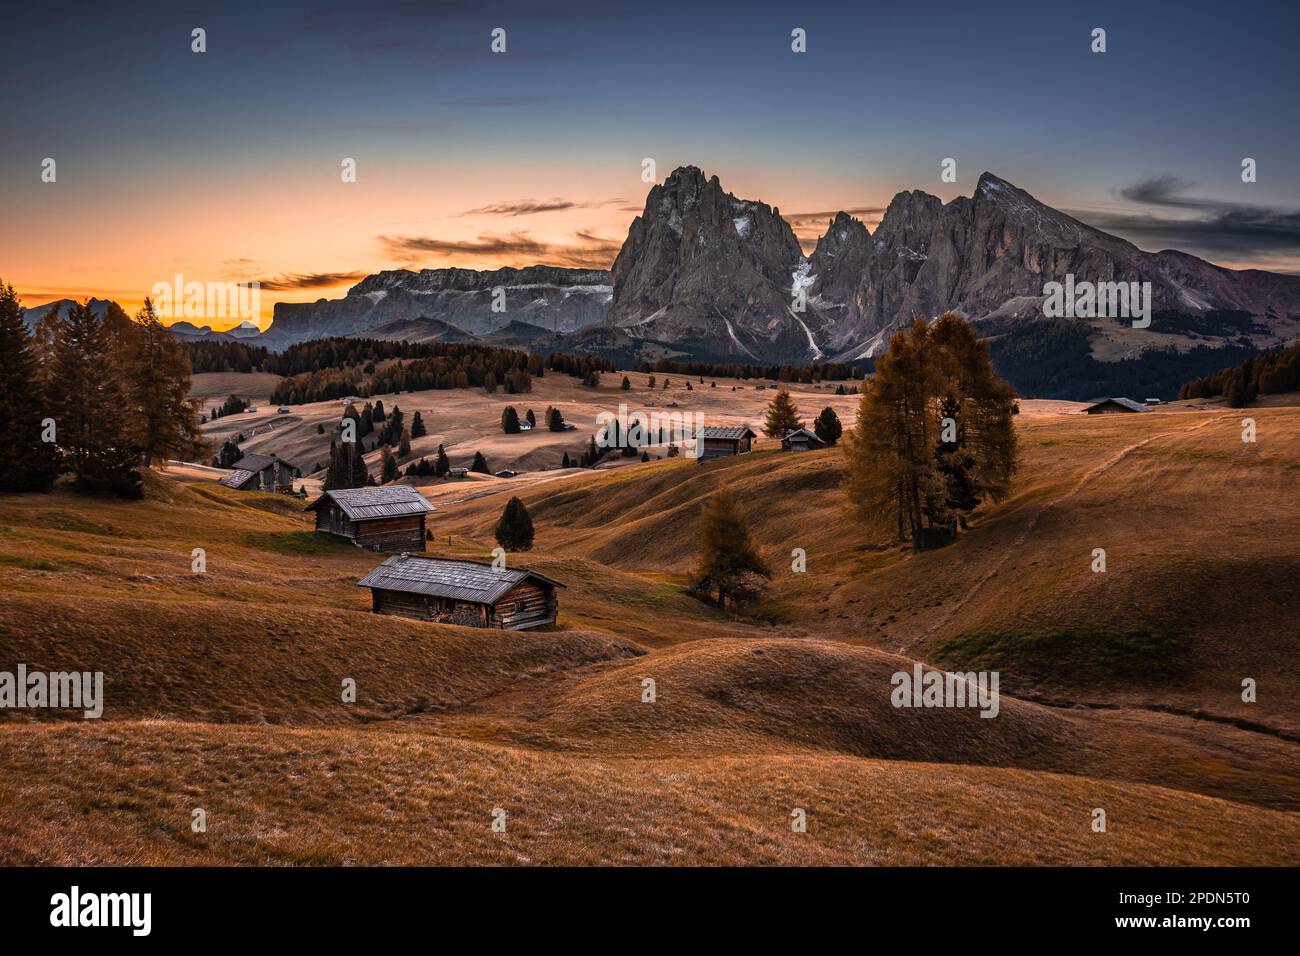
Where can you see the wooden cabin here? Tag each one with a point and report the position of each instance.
(718, 442)
(387, 518)
(801, 439)
(470, 593)
(261, 473)
(1109, 406)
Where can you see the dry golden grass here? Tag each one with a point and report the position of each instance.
(786, 708)
(124, 794)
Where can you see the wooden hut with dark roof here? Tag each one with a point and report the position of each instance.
(470, 593)
(261, 473)
(801, 439)
(717, 441)
(386, 518)
(1108, 406)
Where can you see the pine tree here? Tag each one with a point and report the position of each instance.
(404, 446)
(827, 426)
(158, 379)
(564, 462)
(336, 475)
(389, 471)
(480, 464)
(782, 416)
(442, 464)
(510, 420)
(514, 531)
(417, 426)
(358, 473)
(378, 413)
(554, 420)
(627, 384)
(729, 564)
(26, 462)
(532, 419)
(89, 402)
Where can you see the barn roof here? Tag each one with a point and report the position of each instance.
(732, 432)
(1128, 403)
(388, 501)
(439, 577)
(237, 478)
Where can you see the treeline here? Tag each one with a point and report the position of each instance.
(1053, 359)
(347, 367)
(1267, 373)
(585, 367)
(827, 372)
(207, 355)
(98, 397)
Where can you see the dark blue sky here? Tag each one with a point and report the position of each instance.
(586, 90)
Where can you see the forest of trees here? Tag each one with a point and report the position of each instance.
(828, 372)
(335, 368)
(1053, 359)
(98, 397)
(217, 355)
(1267, 373)
(934, 435)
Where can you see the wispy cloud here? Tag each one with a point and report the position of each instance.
(310, 280)
(1213, 228)
(528, 207)
(588, 251)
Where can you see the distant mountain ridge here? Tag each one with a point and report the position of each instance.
(562, 300)
(706, 274)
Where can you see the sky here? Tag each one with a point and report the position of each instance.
(226, 165)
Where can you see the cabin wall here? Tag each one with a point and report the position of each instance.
(528, 604)
(719, 447)
(423, 607)
(404, 533)
(331, 518)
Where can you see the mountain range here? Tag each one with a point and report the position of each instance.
(705, 274)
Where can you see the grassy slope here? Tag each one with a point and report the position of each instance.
(124, 793)
(1198, 592)
(267, 633)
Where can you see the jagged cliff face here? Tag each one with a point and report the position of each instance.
(703, 272)
(989, 256)
(719, 275)
(700, 266)
(563, 300)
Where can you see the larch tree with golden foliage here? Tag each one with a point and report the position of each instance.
(729, 566)
(782, 416)
(934, 436)
(158, 378)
